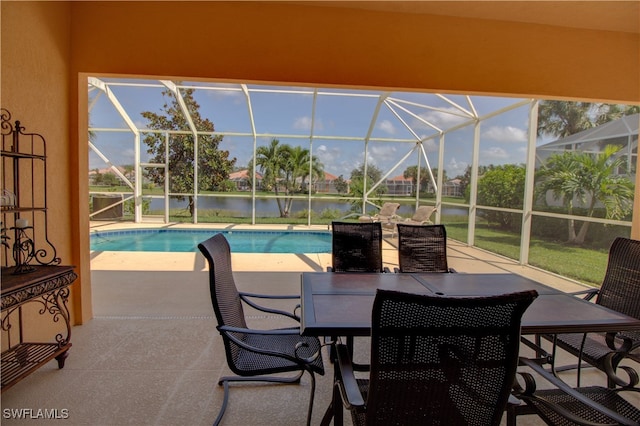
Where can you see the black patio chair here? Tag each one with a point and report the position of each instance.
(561, 405)
(436, 360)
(620, 291)
(422, 248)
(356, 247)
(253, 354)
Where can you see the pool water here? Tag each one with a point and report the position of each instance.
(187, 240)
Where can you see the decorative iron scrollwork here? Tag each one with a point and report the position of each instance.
(24, 213)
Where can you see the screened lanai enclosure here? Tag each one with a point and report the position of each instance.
(197, 152)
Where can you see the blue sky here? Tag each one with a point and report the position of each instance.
(342, 120)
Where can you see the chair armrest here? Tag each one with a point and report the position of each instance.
(623, 341)
(563, 387)
(588, 294)
(386, 270)
(230, 333)
(610, 371)
(346, 382)
(245, 297)
(528, 394)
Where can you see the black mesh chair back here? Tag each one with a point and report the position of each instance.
(620, 288)
(443, 360)
(225, 298)
(422, 248)
(356, 247)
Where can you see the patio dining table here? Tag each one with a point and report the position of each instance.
(340, 304)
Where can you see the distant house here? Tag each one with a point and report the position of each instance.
(622, 132)
(452, 188)
(327, 185)
(400, 185)
(242, 179)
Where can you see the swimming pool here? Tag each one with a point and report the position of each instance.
(187, 240)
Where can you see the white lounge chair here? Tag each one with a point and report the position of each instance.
(387, 214)
(420, 217)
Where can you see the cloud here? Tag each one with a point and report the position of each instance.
(456, 168)
(237, 95)
(328, 156)
(431, 145)
(387, 127)
(495, 153)
(304, 123)
(505, 134)
(443, 120)
(385, 150)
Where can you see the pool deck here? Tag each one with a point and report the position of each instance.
(151, 354)
(460, 256)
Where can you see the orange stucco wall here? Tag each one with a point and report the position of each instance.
(36, 60)
(292, 43)
(48, 48)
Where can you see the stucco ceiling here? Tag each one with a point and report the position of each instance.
(596, 15)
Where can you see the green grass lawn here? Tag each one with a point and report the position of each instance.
(584, 264)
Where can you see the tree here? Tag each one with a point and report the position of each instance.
(299, 166)
(285, 170)
(214, 165)
(561, 119)
(374, 175)
(465, 179)
(503, 186)
(342, 186)
(411, 172)
(608, 112)
(587, 178)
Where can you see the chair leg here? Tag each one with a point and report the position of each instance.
(311, 398)
(511, 415)
(224, 381)
(224, 404)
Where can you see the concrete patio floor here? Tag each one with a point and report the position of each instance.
(151, 354)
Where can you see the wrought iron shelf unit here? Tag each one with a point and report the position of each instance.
(48, 286)
(30, 268)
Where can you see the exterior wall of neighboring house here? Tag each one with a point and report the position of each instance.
(243, 181)
(326, 185)
(452, 188)
(400, 185)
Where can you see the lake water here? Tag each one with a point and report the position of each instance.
(242, 206)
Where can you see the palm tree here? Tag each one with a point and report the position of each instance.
(587, 178)
(286, 169)
(271, 161)
(302, 170)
